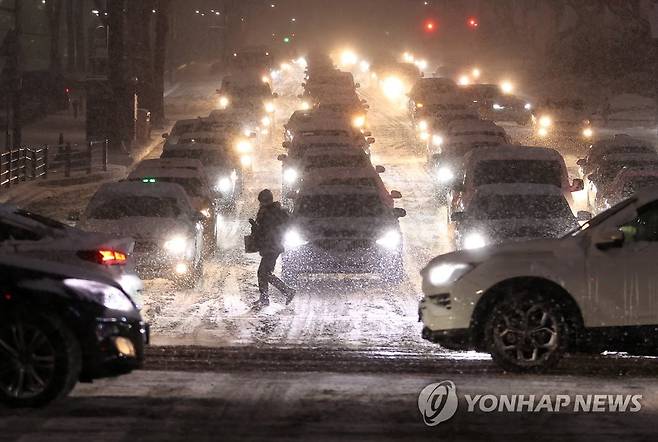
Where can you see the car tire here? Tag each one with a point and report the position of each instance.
(51, 363)
(526, 332)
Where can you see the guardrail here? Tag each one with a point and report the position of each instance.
(31, 163)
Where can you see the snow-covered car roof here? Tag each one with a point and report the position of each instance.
(447, 100)
(338, 190)
(461, 125)
(478, 140)
(160, 190)
(635, 157)
(338, 151)
(322, 124)
(194, 146)
(323, 140)
(518, 189)
(512, 152)
(174, 163)
(619, 140)
(164, 172)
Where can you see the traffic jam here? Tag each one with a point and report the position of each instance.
(406, 209)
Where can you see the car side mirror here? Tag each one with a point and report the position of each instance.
(286, 144)
(399, 212)
(457, 217)
(366, 106)
(275, 95)
(380, 169)
(74, 216)
(367, 133)
(584, 215)
(370, 140)
(396, 194)
(165, 135)
(581, 162)
(577, 185)
(358, 85)
(610, 240)
(282, 157)
(300, 96)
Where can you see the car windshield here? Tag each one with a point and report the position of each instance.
(339, 206)
(325, 161)
(519, 207)
(193, 186)
(518, 171)
(359, 182)
(609, 169)
(212, 158)
(136, 206)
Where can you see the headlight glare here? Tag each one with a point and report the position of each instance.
(447, 273)
(290, 176)
(390, 240)
(176, 245)
(293, 240)
(110, 297)
(474, 241)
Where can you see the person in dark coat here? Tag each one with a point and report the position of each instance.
(268, 229)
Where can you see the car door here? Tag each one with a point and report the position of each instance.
(640, 263)
(623, 279)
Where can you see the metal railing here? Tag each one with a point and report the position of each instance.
(31, 163)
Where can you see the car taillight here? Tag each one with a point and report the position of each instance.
(104, 256)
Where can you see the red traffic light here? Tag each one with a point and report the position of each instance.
(430, 26)
(472, 22)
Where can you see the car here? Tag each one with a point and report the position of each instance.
(528, 303)
(60, 324)
(466, 130)
(629, 181)
(619, 144)
(507, 108)
(366, 177)
(511, 164)
(336, 229)
(598, 182)
(316, 159)
(441, 110)
(168, 231)
(28, 234)
(564, 118)
(514, 212)
(243, 90)
(223, 168)
(197, 187)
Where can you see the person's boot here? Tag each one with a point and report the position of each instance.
(260, 304)
(289, 294)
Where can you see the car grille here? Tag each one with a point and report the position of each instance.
(342, 245)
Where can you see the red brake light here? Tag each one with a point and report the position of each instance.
(105, 256)
(112, 257)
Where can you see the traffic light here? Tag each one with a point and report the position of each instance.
(472, 23)
(430, 26)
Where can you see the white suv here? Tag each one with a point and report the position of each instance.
(528, 303)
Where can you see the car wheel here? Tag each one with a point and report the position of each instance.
(40, 360)
(526, 333)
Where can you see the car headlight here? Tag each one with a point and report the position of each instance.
(390, 240)
(424, 136)
(269, 107)
(224, 185)
(305, 105)
(588, 132)
(223, 102)
(419, 105)
(437, 140)
(545, 121)
(106, 295)
(266, 121)
(359, 121)
(176, 245)
(243, 146)
(445, 174)
(447, 273)
(290, 176)
(527, 106)
(205, 212)
(474, 241)
(542, 132)
(292, 240)
(422, 125)
(498, 107)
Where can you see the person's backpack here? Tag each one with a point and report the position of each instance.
(251, 240)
